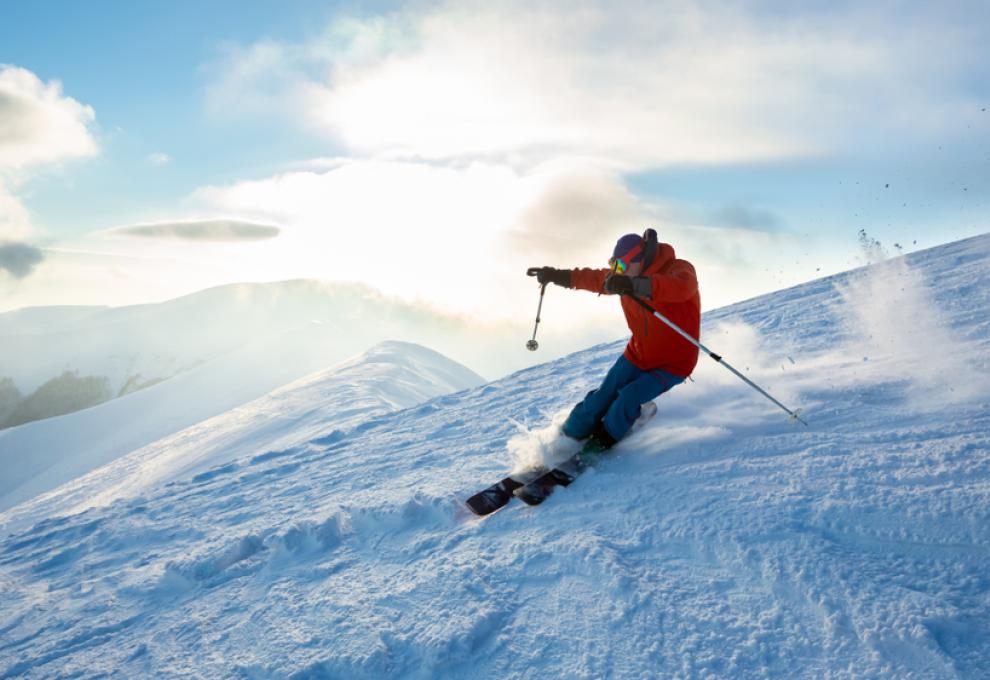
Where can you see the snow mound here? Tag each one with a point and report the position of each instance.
(720, 541)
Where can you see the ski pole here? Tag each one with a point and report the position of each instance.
(533, 345)
(795, 415)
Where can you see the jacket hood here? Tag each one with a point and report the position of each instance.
(665, 254)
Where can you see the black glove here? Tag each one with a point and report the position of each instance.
(619, 284)
(544, 275)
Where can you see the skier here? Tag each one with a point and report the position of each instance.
(663, 309)
(656, 358)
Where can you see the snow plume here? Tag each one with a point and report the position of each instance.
(897, 329)
(744, 347)
(873, 251)
(542, 446)
(721, 397)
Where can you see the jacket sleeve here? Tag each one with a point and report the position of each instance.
(678, 284)
(589, 279)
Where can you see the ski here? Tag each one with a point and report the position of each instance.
(533, 486)
(499, 494)
(540, 488)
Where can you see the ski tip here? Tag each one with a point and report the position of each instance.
(483, 504)
(478, 509)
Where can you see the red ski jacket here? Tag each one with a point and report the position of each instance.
(675, 295)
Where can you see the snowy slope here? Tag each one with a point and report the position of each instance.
(38, 457)
(720, 541)
(388, 377)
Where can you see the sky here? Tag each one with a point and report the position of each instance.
(435, 150)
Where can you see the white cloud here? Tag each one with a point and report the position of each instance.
(15, 222)
(19, 259)
(532, 81)
(411, 228)
(159, 158)
(38, 124)
(420, 231)
(572, 213)
(648, 85)
(214, 230)
(256, 79)
(462, 237)
(475, 139)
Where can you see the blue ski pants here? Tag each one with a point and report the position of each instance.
(617, 401)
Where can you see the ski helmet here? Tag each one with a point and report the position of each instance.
(629, 249)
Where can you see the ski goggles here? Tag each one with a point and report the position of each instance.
(619, 265)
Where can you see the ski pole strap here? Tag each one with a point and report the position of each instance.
(795, 415)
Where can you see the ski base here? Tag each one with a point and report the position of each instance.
(499, 494)
(538, 490)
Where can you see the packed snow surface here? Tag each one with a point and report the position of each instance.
(720, 541)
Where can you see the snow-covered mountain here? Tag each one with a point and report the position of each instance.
(720, 541)
(388, 377)
(37, 457)
(159, 340)
(257, 336)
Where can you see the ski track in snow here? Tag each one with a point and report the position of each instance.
(721, 541)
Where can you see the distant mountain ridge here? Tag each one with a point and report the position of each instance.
(84, 356)
(192, 412)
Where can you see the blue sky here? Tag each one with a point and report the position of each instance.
(142, 67)
(154, 148)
